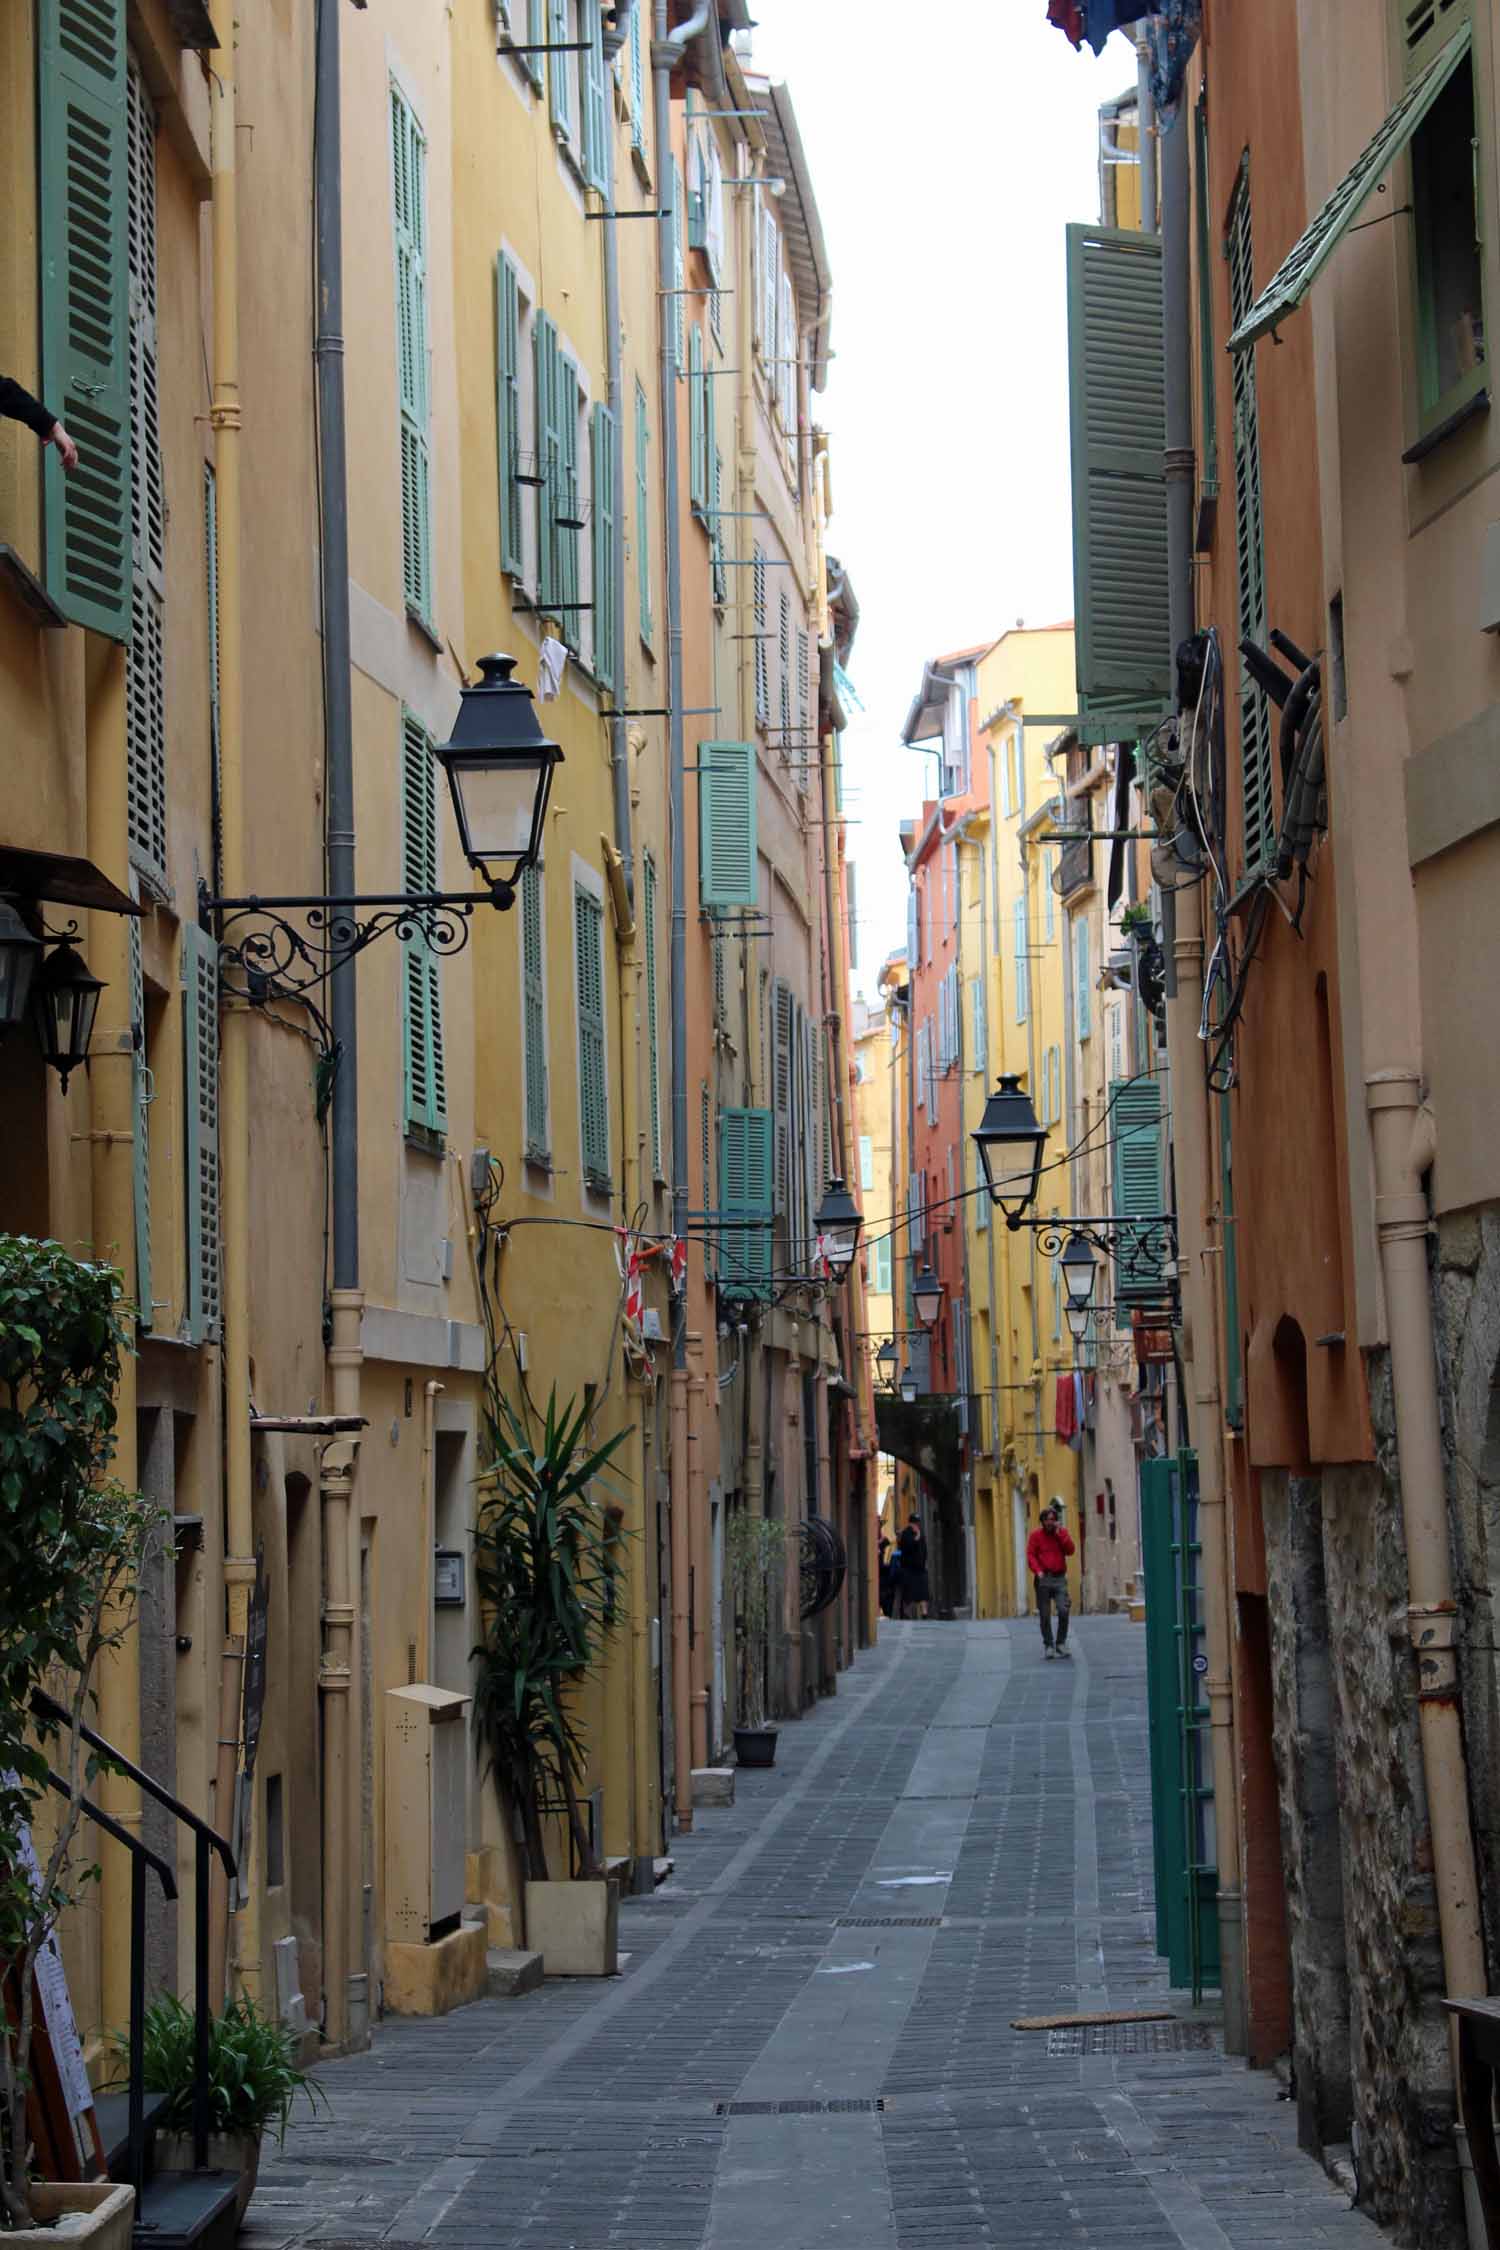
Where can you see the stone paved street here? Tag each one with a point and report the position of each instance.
(811, 2042)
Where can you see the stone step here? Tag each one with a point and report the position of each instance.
(512, 1972)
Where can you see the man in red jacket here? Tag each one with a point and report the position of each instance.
(1047, 1552)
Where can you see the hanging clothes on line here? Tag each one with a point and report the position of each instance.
(1171, 35)
(1068, 17)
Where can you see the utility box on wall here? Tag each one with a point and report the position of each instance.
(426, 1770)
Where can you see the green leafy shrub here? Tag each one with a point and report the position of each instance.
(253, 2078)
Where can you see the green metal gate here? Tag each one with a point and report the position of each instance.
(1182, 1810)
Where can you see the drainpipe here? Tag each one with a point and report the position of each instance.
(619, 754)
(665, 54)
(1146, 137)
(1401, 1130)
(431, 1393)
(346, 1355)
(1023, 847)
(234, 1146)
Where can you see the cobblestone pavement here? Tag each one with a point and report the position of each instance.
(811, 2041)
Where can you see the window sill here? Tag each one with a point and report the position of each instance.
(29, 591)
(539, 1160)
(423, 1141)
(425, 627)
(642, 168)
(1448, 427)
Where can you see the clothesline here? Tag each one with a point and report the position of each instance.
(1170, 32)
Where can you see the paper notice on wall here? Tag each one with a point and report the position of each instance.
(57, 2005)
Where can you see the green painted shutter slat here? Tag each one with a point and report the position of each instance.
(425, 1073)
(1084, 990)
(1321, 237)
(200, 1046)
(535, 64)
(1136, 1127)
(570, 403)
(728, 870)
(534, 1004)
(595, 97)
(549, 457)
(744, 1202)
(637, 83)
(508, 412)
(642, 514)
(1208, 409)
(1257, 805)
(697, 481)
(762, 660)
(1117, 417)
(559, 66)
(141, 1152)
(593, 1083)
(408, 171)
(679, 266)
(603, 441)
(85, 370)
(653, 1035)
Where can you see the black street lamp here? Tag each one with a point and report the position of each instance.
(19, 954)
(838, 1221)
(1078, 1272)
(63, 1005)
(499, 766)
(927, 1296)
(908, 1387)
(1010, 1143)
(885, 1360)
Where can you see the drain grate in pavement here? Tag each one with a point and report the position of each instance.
(890, 1921)
(860, 2108)
(1128, 2038)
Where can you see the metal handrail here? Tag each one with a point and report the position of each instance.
(205, 1841)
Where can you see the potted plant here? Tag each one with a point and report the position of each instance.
(72, 1541)
(548, 1568)
(756, 1552)
(253, 2080)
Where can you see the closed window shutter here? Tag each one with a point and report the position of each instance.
(744, 1202)
(642, 514)
(559, 69)
(781, 1094)
(716, 505)
(786, 348)
(426, 1077)
(1257, 809)
(141, 1151)
(765, 306)
(713, 1227)
(697, 480)
(1084, 996)
(547, 370)
(637, 83)
(569, 511)
(866, 1163)
(200, 1046)
(916, 1210)
(85, 331)
(762, 660)
(593, 1084)
(535, 63)
(409, 168)
(595, 98)
(679, 266)
(728, 870)
(1135, 1116)
(145, 658)
(981, 1006)
(1117, 413)
(880, 1270)
(653, 1034)
(815, 1129)
(603, 440)
(508, 412)
(534, 1003)
(913, 930)
(1023, 965)
(784, 651)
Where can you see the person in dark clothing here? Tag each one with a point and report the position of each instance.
(1047, 1552)
(19, 406)
(916, 1591)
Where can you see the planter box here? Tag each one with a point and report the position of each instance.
(755, 1746)
(97, 2212)
(236, 2153)
(575, 1927)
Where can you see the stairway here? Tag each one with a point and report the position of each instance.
(174, 2210)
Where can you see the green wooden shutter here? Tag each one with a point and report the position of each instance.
(145, 657)
(425, 1073)
(637, 83)
(81, 147)
(534, 1009)
(1136, 1126)
(728, 869)
(593, 1081)
(1083, 991)
(568, 516)
(603, 441)
(535, 64)
(508, 412)
(409, 167)
(653, 1035)
(595, 98)
(745, 1209)
(1023, 964)
(141, 1152)
(549, 457)
(200, 1046)
(559, 68)
(781, 1093)
(697, 480)
(679, 266)
(762, 660)
(719, 573)
(713, 1228)
(642, 514)
(784, 650)
(1117, 414)
(1256, 800)
(1208, 406)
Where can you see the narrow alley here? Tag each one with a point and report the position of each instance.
(811, 2042)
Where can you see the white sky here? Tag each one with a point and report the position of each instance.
(950, 142)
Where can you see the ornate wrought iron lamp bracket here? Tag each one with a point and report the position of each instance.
(277, 954)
